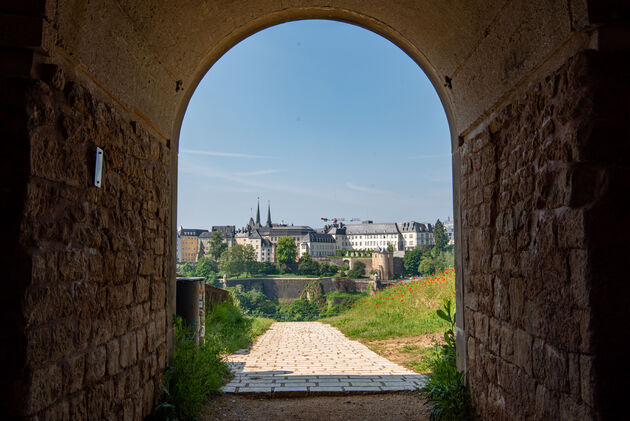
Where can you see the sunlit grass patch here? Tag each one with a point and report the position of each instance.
(410, 349)
(404, 309)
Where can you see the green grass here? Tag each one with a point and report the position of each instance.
(259, 326)
(422, 364)
(399, 311)
(197, 372)
(411, 349)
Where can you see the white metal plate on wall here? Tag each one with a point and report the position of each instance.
(98, 168)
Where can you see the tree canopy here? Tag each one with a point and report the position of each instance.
(286, 252)
(216, 246)
(411, 261)
(308, 266)
(440, 237)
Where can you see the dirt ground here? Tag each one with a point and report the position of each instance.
(405, 351)
(390, 406)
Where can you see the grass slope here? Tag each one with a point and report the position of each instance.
(401, 310)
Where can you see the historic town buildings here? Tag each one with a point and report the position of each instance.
(326, 241)
(188, 243)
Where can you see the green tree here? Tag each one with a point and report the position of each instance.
(411, 261)
(232, 261)
(207, 269)
(308, 266)
(359, 268)
(216, 246)
(435, 261)
(390, 247)
(286, 252)
(187, 269)
(249, 259)
(427, 265)
(440, 237)
(300, 310)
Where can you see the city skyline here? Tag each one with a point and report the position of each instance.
(321, 118)
(267, 206)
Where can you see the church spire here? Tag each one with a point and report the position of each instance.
(268, 214)
(258, 214)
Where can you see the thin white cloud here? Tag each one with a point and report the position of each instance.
(223, 154)
(256, 183)
(363, 189)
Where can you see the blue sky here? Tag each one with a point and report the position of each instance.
(322, 119)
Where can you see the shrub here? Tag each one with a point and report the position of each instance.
(226, 328)
(196, 371)
(446, 391)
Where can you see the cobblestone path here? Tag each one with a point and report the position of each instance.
(312, 358)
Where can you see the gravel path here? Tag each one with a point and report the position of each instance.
(314, 359)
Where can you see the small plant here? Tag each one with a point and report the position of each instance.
(446, 391)
(196, 371)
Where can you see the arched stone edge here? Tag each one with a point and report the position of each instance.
(366, 22)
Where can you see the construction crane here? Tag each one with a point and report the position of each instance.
(335, 220)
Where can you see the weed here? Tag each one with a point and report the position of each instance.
(410, 348)
(446, 391)
(198, 371)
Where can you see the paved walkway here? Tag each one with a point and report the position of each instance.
(312, 358)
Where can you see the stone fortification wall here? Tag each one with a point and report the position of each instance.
(532, 182)
(288, 289)
(340, 261)
(215, 295)
(92, 262)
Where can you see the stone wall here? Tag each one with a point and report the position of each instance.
(93, 262)
(531, 184)
(288, 289)
(215, 295)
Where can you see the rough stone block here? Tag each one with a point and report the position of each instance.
(142, 289)
(507, 342)
(523, 350)
(73, 373)
(587, 379)
(481, 327)
(128, 350)
(158, 295)
(113, 357)
(102, 330)
(77, 406)
(46, 387)
(37, 345)
(580, 289)
(147, 265)
(556, 369)
(141, 338)
(95, 364)
(137, 316)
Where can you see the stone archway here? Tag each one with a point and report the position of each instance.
(534, 96)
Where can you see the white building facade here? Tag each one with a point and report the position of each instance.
(318, 245)
(265, 250)
(401, 236)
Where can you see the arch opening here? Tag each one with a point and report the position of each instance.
(377, 242)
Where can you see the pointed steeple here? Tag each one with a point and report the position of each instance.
(268, 214)
(258, 214)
